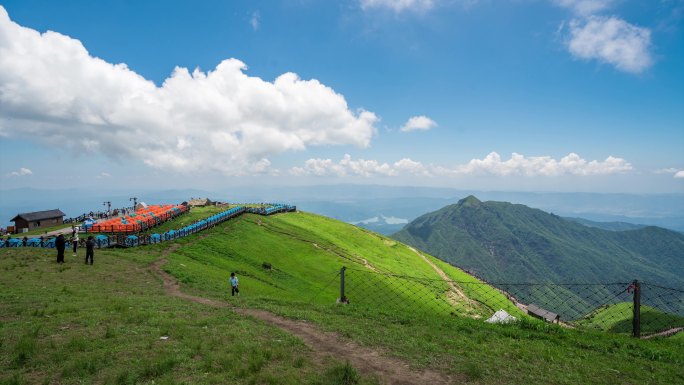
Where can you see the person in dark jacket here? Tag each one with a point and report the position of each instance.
(90, 249)
(60, 244)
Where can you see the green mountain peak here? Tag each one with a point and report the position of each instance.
(506, 242)
(469, 201)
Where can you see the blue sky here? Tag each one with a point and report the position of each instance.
(536, 95)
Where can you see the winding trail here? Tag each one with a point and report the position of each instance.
(454, 290)
(368, 361)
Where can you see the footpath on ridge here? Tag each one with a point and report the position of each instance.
(368, 361)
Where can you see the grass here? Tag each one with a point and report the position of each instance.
(617, 318)
(103, 324)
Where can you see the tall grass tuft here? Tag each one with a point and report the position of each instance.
(25, 347)
(343, 374)
(159, 367)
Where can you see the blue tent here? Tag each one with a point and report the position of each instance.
(131, 241)
(102, 241)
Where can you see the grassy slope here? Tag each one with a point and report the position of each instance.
(617, 318)
(301, 285)
(527, 353)
(102, 324)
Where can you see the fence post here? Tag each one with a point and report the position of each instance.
(636, 319)
(343, 298)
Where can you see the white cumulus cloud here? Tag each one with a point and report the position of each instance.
(422, 123)
(52, 89)
(679, 174)
(611, 40)
(103, 175)
(23, 171)
(398, 5)
(492, 164)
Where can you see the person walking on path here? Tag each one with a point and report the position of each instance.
(74, 240)
(234, 285)
(60, 244)
(90, 249)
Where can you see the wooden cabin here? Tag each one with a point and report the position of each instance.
(543, 314)
(37, 220)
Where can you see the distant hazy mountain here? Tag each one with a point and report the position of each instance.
(507, 242)
(357, 203)
(614, 226)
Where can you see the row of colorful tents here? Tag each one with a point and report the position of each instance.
(135, 240)
(141, 220)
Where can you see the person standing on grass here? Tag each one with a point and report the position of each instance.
(74, 239)
(234, 285)
(90, 249)
(60, 244)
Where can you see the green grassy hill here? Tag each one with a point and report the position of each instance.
(616, 318)
(504, 242)
(102, 324)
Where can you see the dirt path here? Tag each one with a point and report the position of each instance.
(452, 286)
(367, 361)
(666, 333)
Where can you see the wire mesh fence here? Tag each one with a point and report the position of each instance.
(636, 308)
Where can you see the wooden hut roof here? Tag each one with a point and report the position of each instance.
(39, 215)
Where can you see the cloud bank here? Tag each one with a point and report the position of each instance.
(52, 90)
(418, 123)
(492, 164)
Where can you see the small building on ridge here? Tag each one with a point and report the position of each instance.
(37, 219)
(200, 202)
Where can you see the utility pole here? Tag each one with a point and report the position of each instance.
(135, 202)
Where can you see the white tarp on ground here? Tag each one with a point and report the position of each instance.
(501, 317)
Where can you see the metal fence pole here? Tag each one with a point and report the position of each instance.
(636, 319)
(343, 298)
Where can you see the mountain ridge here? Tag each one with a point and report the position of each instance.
(501, 241)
